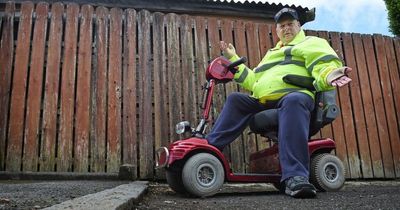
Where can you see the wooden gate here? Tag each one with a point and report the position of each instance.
(86, 89)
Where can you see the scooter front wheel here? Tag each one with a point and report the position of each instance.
(203, 175)
(174, 179)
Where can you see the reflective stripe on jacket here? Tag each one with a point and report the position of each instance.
(304, 56)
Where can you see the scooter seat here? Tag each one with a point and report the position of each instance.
(325, 111)
(264, 121)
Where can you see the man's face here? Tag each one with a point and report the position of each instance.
(287, 29)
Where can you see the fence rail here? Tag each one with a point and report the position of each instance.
(86, 89)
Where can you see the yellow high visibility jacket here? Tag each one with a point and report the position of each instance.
(304, 56)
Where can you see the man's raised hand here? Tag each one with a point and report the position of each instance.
(228, 50)
(343, 80)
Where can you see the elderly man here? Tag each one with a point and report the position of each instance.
(295, 53)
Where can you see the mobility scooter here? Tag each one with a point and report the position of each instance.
(197, 168)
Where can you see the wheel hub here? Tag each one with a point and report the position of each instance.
(206, 175)
(331, 172)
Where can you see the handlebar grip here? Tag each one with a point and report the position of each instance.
(232, 66)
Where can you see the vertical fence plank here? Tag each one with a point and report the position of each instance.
(129, 146)
(114, 91)
(344, 104)
(397, 94)
(392, 100)
(387, 118)
(193, 83)
(363, 54)
(82, 115)
(213, 37)
(393, 59)
(159, 56)
(397, 51)
(146, 143)
(99, 94)
(6, 58)
(17, 111)
(49, 131)
(357, 103)
(252, 44)
(348, 111)
(189, 99)
(201, 52)
(160, 96)
(33, 106)
(67, 100)
(174, 93)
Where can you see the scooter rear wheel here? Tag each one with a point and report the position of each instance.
(327, 172)
(203, 175)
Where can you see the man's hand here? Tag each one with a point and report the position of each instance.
(228, 50)
(343, 80)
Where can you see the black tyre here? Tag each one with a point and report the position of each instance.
(174, 179)
(327, 172)
(280, 186)
(203, 175)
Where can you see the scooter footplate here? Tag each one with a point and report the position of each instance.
(254, 174)
(245, 177)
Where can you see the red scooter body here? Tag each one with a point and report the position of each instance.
(264, 164)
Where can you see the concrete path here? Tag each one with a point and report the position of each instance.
(120, 197)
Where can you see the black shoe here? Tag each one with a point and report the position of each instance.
(299, 187)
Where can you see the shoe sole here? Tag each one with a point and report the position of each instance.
(302, 193)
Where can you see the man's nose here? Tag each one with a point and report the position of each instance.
(286, 27)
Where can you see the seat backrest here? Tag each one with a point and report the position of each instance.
(325, 111)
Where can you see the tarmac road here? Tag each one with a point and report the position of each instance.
(20, 194)
(355, 195)
(38, 194)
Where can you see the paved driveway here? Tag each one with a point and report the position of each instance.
(355, 195)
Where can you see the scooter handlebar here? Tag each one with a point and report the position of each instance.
(232, 66)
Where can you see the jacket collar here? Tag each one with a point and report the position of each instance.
(297, 39)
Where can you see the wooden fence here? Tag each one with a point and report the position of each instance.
(86, 89)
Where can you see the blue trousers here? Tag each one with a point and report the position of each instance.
(294, 111)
